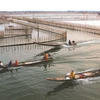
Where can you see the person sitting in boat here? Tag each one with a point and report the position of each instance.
(1, 64)
(72, 75)
(46, 56)
(10, 64)
(74, 43)
(16, 62)
(69, 42)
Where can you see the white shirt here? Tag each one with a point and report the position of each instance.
(1, 64)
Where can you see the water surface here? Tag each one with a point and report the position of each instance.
(31, 84)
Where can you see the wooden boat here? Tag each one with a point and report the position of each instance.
(30, 63)
(80, 75)
(13, 67)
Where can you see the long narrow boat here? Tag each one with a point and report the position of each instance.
(7, 68)
(80, 75)
(30, 63)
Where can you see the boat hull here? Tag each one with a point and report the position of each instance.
(30, 63)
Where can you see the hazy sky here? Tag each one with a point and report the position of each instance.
(49, 5)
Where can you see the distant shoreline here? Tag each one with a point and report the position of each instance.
(48, 12)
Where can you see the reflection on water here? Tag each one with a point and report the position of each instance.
(46, 66)
(68, 85)
(4, 71)
(11, 70)
(52, 50)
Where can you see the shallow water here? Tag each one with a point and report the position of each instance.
(31, 84)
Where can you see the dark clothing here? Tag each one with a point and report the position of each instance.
(10, 64)
(73, 43)
(69, 42)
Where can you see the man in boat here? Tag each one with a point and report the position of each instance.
(46, 56)
(72, 75)
(69, 42)
(10, 64)
(74, 43)
(16, 62)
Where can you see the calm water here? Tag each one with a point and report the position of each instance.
(88, 22)
(31, 84)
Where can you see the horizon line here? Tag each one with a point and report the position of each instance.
(51, 11)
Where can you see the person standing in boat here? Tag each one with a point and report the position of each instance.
(1, 64)
(72, 75)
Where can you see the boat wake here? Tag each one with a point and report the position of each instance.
(89, 80)
(82, 43)
(89, 42)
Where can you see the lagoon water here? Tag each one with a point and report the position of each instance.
(31, 84)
